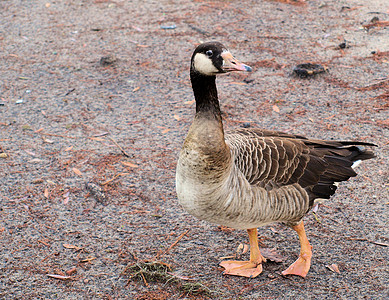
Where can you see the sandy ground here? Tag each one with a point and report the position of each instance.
(85, 82)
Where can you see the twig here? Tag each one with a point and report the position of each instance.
(70, 91)
(121, 149)
(47, 257)
(159, 254)
(267, 282)
(366, 240)
(144, 279)
(58, 135)
(112, 179)
(377, 23)
(199, 30)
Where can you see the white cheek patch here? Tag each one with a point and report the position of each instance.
(204, 65)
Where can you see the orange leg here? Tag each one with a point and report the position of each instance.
(301, 266)
(250, 268)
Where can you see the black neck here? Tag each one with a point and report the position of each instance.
(205, 93)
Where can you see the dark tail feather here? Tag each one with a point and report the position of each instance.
(339, 157)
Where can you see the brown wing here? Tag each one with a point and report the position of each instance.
(270, 158)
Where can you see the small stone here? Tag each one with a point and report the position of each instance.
(342, 45)
(26, 127)
(308, 69)
(107, 60)
(37, 181)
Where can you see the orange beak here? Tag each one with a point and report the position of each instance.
(230, 63)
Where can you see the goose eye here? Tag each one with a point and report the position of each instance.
(209, 53)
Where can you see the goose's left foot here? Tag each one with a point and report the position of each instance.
(301, 266)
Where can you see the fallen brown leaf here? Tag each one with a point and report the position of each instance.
(166, 130)
(77, 171)
(129, 164)
(276, 108)
(272, 255)
(99, 139)
(87, 259)
(71, 271)
(69, 246)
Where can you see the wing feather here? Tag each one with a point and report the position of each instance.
(272, 159)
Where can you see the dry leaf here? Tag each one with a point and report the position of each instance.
(166, 130)
(71, 271)
(98, 139)
(272, 255)
(46, 193)
(77, 171)
(35, 160)
(276, 108)
(48, 141)
(334, 268)
(136, 89)
(87, 259)
(177, 117)
(69, 246)
(129, 164)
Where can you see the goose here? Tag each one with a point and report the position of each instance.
(247, 178)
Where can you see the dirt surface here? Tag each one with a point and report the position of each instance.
(85, 82)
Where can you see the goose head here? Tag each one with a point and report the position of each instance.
(213, 58)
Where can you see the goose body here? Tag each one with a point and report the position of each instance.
(248, 178)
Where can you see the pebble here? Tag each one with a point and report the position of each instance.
(168, 26)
